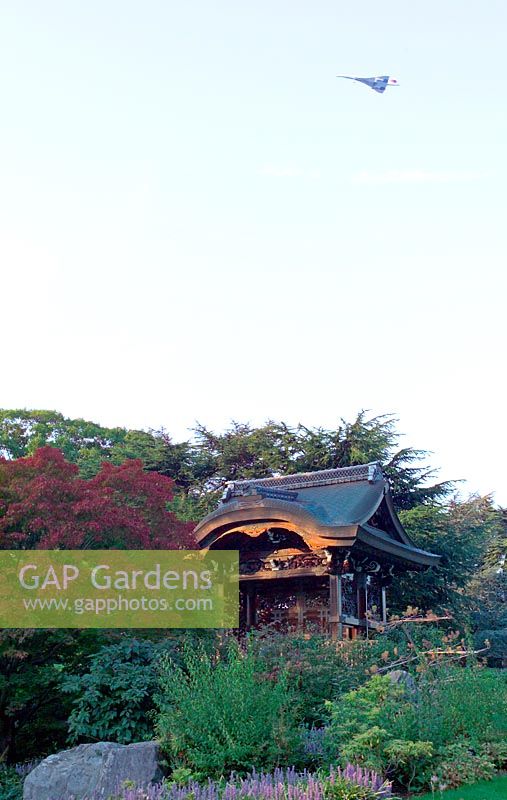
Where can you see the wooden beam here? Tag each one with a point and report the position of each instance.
(277, 574)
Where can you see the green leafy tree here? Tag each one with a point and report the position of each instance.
(459, 532)
(488, 592)
(495, 557)
(201, 467)
(243, 452)
(23, 431)
(87, 444)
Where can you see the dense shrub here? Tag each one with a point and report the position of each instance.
(11, 784)
(317, 668)
(33, 709)
(114, 699)
(458, 715)
(497, 753)
(217, 716)
(320, 669)
(459, 702)
(366, 726)
(460, 763)
(12, 778)
(496, 642)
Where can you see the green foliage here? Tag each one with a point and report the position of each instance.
(320, 669)
(406, 759)
(23, 431)
(114, 699)
(496, 554)
(316, 667)
(489, 594)
(362, 711)
(216, 716)
(364, 724)
(88, 444)
(457, 702)
(243, 452)
(496, 752)
(460, 533)
(378, 726)
(33, 712)
(342, 789)
(488, 590)
(11, 785)
(189, 507)
(367, 748)
(181, 776)
(460, 763)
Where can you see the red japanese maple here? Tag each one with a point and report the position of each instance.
(44, 504)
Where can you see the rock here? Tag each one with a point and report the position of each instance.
(403, 679)
(93, 771)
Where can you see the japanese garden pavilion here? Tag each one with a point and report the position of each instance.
(317, 550)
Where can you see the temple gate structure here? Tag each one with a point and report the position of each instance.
(318, 550)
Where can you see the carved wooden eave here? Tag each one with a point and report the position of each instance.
(339, 508)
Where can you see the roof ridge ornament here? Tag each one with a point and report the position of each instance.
(283, 487)
(374, 472)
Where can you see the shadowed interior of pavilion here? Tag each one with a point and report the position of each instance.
(318, 550)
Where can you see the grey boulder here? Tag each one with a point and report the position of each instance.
(403, 679)
(93, 771)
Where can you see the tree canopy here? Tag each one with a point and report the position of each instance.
(460, 532)
(44, 504)
(132, 488)
(199, 467)
(84, 443)
(243, 452)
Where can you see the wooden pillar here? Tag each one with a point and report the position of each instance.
(250, 608)
(300, 611)
(335, 607)
(361, 595)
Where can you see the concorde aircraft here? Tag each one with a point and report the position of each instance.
(377, 84)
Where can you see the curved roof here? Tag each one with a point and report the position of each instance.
(333, 507)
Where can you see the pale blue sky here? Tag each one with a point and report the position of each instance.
(198, 221)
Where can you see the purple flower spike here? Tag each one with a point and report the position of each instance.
(281, 784)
